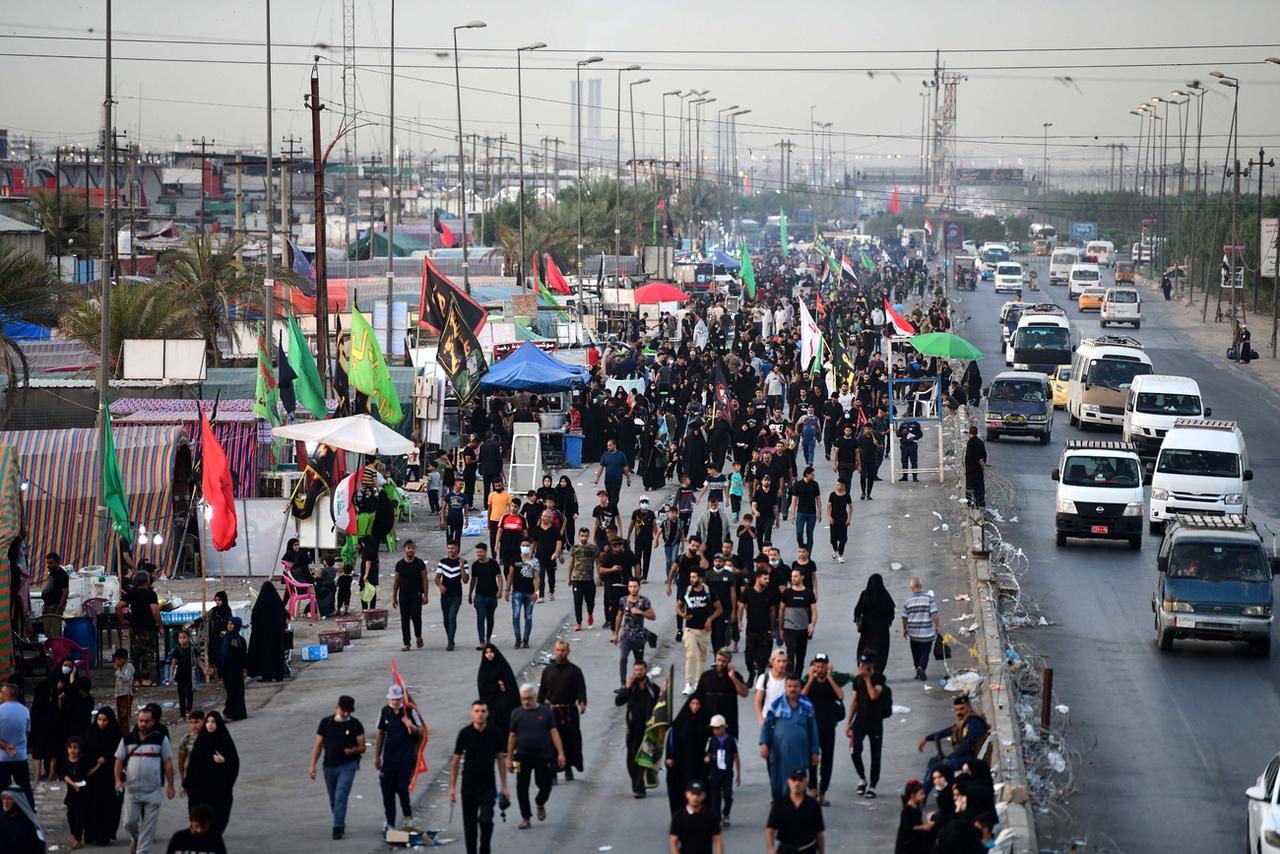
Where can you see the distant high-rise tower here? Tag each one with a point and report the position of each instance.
(591, 109)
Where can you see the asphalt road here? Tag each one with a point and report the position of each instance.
(1169, 741)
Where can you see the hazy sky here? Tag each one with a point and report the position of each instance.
(693, 44)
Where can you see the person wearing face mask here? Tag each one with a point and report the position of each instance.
(524, 589)
(643, 528)
(340, 737)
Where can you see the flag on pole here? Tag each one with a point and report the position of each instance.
(748, 272)
(928, 228)
(900, 324)
(284, 384)
(721, 380)
(460, 355)
(113, 494)
(306, 380)
(345, 516)
(266, 400)
(846, 270)
(215, 484)
(447, 238)
(810, 339)
(368, 373)
(894, 205)
(438, 292)
(300, 264)
(555, 280)
(782, 231)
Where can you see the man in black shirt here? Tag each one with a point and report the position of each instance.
(644, 525)
(690, 560)
(909, 436)
(144, 627)
(478, 749)
(470, 459)
(395, 752)
(200, 837)
(795, 819)
(827, 698)
(759, 604)
(869, 448)
(720, 689)
(694, 828)
(531, 739)
(723, 586)
(617, 565)
(804, 504)
(975, 464)
(451, 575)
(484, 593)
(839, 508)
(409, 593)
(341, 739)
(699, 609)
(57, 586)
(639, 695)
(604, 514)
(548, 539)
(845, 461)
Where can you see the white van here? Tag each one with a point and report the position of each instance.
(1060, 263)
(1102, 370)
(989, 256)
(1100, 252)
(1082, 276)
(1099, 492)
(1121, 305)
(1155, 401)
(1008, 277)
(1202, 467)
(1042, 340)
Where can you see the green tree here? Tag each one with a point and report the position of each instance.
(139, 309)
(211, 279)
(30, 292)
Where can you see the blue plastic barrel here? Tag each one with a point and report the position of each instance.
(572, 451)
(81, 630)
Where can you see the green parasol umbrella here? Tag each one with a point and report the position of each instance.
(946, 345)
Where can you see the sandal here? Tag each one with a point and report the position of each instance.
(404, 648)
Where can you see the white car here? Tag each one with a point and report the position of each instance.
(1008, 277)
(1082, 276)
(1264, 810)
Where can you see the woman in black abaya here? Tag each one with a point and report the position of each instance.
(873, 616)
(102, 803)
(686, 746)
(219, 617)
(266, 643)
(497, 688)
(232, 670)
(212, 770)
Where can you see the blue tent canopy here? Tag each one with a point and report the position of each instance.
(530, 369)
(723, 259)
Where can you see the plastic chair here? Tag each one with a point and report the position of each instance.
(60, 648)
(299, 593)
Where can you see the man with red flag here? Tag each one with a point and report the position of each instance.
(215, 479)
(397, 751)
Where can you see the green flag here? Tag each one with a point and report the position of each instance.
(782, 231)
(307, 385)
(113, 495)
(748, 272)
(368, 371)
(266, 399)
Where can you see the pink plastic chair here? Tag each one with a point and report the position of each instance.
(300, 594)
(60, 648)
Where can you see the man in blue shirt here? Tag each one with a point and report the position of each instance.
(614, 467)
(15, 724)
(453, 514)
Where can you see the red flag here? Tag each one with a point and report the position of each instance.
(447, 240)
(900, 323)
(822, 309)
(215, 478)
(894, 205)
(555, 280)
(414, 712)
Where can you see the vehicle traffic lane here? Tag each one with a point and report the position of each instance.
(1153, 729)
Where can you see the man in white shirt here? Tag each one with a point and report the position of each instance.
(771, 684)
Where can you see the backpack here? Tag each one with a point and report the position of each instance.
(886, 701)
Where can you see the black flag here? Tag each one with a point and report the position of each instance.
(285, 381)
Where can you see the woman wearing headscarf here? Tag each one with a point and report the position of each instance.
(946, 812)
(219, 617)
(567, 504)
(102, 803)
(873, 615)
(266, 644)
(20, 830)
(686, 748)
(232, 670)
(291, 549)
(42, 742)
(73, 697)
(976, 775)
(212, 770)
(497, 688)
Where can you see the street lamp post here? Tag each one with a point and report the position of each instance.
(813, 153)
(733, 141)
(1137, 155)
(1198, 91)
(578, 101)
(719, 136)
(1044, 173)
(617, 186)
(1234, 147)
(1275, 277)
(462, 174)
(665, 95)
(698, 128)
(520, 143)
(635, 191)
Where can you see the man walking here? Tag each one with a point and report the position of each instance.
(15, 726)
(869, 448)
(789, 737)
(532, 739)
(614, 466)
(845, 461)
(644, 527)
(827, 698)
(564, 689)
(805, 506)
(866, 721)
(795, 819)
(395, 755)
(699, 609)
(490, 463)
(909, 436)
(639, 695)
(714, 526)
(582, 578)
(144, 765)
(451, 575)
(479, 749)
(629, 632)
(720, 689)
(341, 738)
(694, 828)
(409, 592)
(975, 464)
(920, 625)
(759, 605)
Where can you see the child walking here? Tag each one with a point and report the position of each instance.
(74, 773)
(723, 766)
(124, 685)
(182, 661)
(344, 591)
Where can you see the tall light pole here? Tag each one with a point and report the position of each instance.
(813, 153)
(617, 186)
(1275, 279)
(268, 296)
(1044, 173)
(391, 190)
(693, 104)
(665, 95)
(825, 127)
(1199, 91)
(520, 143)
(1234, 146)
(733, 142)
(104, 299)
(631, 102)
(462, 174)
(1137, 155)
(577, 97)
(719, 134)
(698, 128)
(680, 160)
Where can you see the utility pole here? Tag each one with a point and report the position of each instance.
(133, 210)
(105, 350)
(312, 103)
(1257, 276)
(289, 154)
(57, 206)
(391, 191)
(370, 163)
(204, 146)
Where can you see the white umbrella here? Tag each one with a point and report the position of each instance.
(362, 434)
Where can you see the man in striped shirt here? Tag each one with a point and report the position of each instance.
(451, 575)
(920, 625)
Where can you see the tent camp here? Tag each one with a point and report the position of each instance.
(236, 429)
(10, 522)
(530, 369)
(61, 469)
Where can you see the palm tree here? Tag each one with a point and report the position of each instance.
(211, 279)
(31, 293)
(139, 309)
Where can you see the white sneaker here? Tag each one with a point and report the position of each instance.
(840, 559)
(688, 689)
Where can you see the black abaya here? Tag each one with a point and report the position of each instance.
(500, 700)
(234, 653)
(266, 642)
(211, 782)
(686, 749)
(874, 616)
(102, 803)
